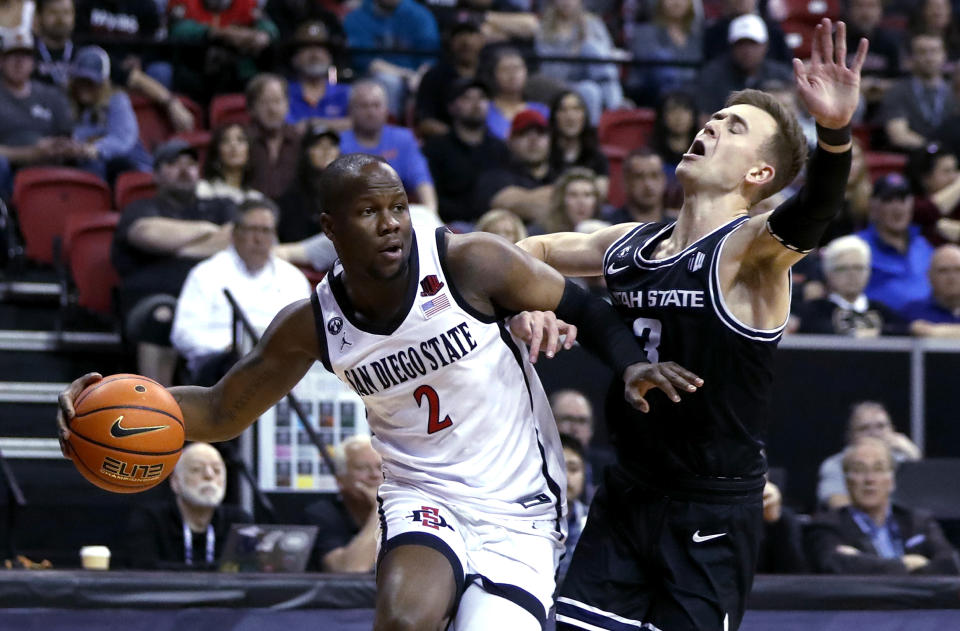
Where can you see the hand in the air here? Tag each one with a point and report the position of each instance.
(829, 90)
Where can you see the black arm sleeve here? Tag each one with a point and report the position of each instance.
(799, 222)
(600, 329)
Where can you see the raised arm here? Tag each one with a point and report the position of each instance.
(573, 253)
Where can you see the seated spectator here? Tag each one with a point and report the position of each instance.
(674, 34)
(118, 25)
(716, 43)
(55, 51)
(227, 171)
(939, 314)
(935, 181)
(348, 522)
(781, 544)
(313, 97)
(274, 144)
(525, 184)
(846, 310)
(431, 112)
(187, 532)
(746, 65)
(235, 32)
(507, 78)
(458, 157)
(915, 106)
(882, 65)
(676, 125)
(105, 124)
(855, 211)
(35, 126)
(17, 17)
(867, 419)
(575, 199)
(566, 29)
(574, 459)
(873, 535)
(158, 240)
(502, 222)
(574, 416)
(299, 206)
(644, 185)
(935, 17)
(395, 25)
(371, 134)
(261, 283)
(899, 254)
(573, 140)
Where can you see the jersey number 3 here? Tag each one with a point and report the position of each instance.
(647, 331)
(434, 424)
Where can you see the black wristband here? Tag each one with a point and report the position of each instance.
(834, 137)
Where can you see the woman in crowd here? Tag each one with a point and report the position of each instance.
(502, 222)
(935, 182)
(674, 128)
(935, 17)
(507, 78)
(573, 140)
(227, 171)
(299, 210)
(575, 198)
(566, 29)
(674, 34)
(105, 124)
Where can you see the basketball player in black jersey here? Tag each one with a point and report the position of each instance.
(672, 535)
(367, 218)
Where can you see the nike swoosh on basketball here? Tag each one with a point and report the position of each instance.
(118, 431)
(698, 538)
(613, 269)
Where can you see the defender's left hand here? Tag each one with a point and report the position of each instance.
(829, 89)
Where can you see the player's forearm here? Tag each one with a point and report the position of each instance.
(566, 252)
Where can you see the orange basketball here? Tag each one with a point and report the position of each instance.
(127, 433)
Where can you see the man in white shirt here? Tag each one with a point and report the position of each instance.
(262, 284)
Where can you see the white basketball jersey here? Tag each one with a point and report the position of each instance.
(455, 407)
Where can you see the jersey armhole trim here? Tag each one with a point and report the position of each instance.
(616, 244)
(318, 324)
(441, 236)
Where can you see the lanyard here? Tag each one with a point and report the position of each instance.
(188, 544)
(932, 112)
(58, 69)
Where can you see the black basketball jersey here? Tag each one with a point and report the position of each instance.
(712, 439)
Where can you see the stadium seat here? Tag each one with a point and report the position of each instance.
(155, 126)
(87, 248)
(131, 186)
(627, 129)
(45, 196)
(930, 484)
(811, 11)
(228, 108)
(313, 275)
(799, 36)
(879, 163)
(615, 156)
(199, 140)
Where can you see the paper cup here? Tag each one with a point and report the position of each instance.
(95, 557)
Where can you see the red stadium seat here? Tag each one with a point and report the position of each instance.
(799, 36)
(155, 125)
(199, 140)
(879, 163)
(627, 129)
(131, 186)
(88, 239)
(45, 196)
(615, 155)
(228, 108)
(811, 11)
(313, 275)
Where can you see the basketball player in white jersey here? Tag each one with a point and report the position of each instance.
(472, 502)
(672, 535)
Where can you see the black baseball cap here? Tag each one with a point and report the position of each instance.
(891, 186)
(314, 133)
(171, 150)
(461, 85)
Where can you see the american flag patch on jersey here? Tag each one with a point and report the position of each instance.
(433, 307)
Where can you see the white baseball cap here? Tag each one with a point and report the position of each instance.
(747, 26)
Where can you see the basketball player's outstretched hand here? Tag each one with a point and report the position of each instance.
(828, 88)
(668, 376)
(541, 331)
(65, 410)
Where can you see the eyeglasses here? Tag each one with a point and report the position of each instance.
(850, 268)
(571, 418)
(269, 230)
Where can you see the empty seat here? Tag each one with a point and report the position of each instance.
(627, 129)
(45, 196)
(615, 156)
(87, 243)
(131, 186)
(155, 125)
(228, 108)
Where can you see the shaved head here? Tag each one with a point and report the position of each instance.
(341, 178)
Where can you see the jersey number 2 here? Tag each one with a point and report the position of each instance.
(434, 424)
(647, 331)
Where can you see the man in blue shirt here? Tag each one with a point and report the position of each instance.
(397, 145)
(312, 96)
(938, 315)
(393, 25)
(900, 255)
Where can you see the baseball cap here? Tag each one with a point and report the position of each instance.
(20, 40)
(464, 25)
(891, 186)
(312, 33)
(747, 26)
(91, 62)
(171, 150)
(461, 85)
(318, 131)
(527, 119)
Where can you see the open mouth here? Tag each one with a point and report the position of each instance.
(698, 148)
(394, 250)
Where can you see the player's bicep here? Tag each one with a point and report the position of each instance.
(755, 247)
(573, 253)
